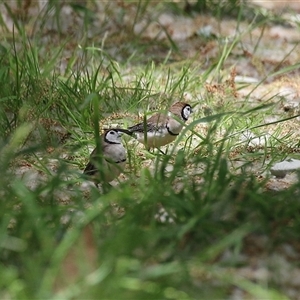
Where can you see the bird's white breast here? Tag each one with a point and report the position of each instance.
(156, 139)
(114, 164)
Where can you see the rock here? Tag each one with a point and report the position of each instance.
(280, 184)
(282, 168)
(245, 79)
(253, 140)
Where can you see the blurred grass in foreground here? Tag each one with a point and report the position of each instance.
(115, 245)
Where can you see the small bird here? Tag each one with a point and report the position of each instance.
(107, 164)
(161, 129)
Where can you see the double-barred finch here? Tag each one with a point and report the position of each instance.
(162, 128)
(107, 165)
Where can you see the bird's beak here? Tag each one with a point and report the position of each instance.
(120, 133)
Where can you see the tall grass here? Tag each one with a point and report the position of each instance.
(162, 232)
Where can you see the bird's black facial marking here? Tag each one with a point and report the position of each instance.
(170, 132)
(186, 111)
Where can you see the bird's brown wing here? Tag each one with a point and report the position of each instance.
(152, 124)
(90, 168)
